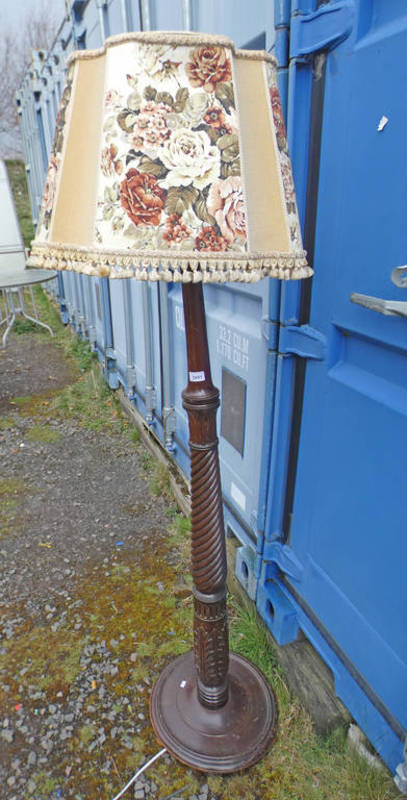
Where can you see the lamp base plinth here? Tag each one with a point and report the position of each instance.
(222, 740)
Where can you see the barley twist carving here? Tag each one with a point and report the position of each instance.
(208, 553)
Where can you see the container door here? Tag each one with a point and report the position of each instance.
(347, 546)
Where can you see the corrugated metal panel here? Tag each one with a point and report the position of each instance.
(136, 342)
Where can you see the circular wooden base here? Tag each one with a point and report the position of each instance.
(224, 740)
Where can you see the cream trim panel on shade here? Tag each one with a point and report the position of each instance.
(259, 162)
(74, 210)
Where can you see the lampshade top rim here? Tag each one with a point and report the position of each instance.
(179, 38)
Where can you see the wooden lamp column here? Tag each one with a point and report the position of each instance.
(212, 709)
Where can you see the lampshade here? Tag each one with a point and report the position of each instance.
(170, 162)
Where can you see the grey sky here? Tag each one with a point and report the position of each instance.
(16, 17)
(14, 12)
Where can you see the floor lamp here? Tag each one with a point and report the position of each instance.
(170, 163)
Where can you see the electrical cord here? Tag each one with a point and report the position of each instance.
(144, 767)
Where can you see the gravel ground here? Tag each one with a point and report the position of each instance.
(88, 610)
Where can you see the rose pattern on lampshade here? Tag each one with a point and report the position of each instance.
(176, 150)
(170, 162)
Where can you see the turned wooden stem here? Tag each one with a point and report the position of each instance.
(208, 548)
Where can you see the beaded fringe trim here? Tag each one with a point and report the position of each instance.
(185, 268)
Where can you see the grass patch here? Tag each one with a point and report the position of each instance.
(11, 486)
(179, 538)
(50, 659)
(42, 433)
(160, 483)
(11, 492)
(6, 423)
(81, 351)
(44, 783)
(86, 734)
(36, 405)
(301, 765)
(47, 313)
(18, 182)
(146, 461)
(134, 434)
(89, 401)
(249, 637)
(183, 525)
(23, 325)
(134, 509)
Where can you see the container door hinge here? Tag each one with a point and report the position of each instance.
(321, 30)
(92, 335)
(259, 554)
(400, 777)
(131, 378)
(303, 341)
(283, 557)
(170, 427)
(109, 368)
(151, 403)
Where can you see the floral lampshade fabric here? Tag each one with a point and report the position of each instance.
(170, 162)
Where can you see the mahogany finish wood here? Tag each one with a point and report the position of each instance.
(208, 549)
(214, 713)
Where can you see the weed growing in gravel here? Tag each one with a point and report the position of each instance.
(160, 482)
(12, 491)
(42, 433)
(35, 406)
(11, 486)
(23, 325)
(89, 401)
(145, 461)
(48, 659)
(249, 637)
(86, 734)
(18, 182)
(44, 783)
(179, 538)
(82, 352)
(47, 313)
(134, 434)
(6, 423)
(183, 525)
